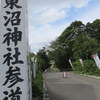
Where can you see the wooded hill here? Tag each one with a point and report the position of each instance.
(77, 41)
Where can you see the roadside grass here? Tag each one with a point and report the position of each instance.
(37, 86)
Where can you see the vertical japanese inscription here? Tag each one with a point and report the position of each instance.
(11, 58)
(13, 95)
(12, 18)
(13, 76)
(14, 36)
(12, 3)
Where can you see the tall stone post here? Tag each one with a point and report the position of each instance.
(14, 60)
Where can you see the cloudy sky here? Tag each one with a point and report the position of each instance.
(47, 19)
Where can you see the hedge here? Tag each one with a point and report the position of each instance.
(89, 68)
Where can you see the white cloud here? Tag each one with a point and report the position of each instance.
(52, 15)
(44, 35)
(80, 3)
(90, 15)
(41, 5)
(47, 16)
(45, 12)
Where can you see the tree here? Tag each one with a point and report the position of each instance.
(77, 41)
(61, 48)
(42, 60)
(84, 47)
(75, 29)
(93, 29)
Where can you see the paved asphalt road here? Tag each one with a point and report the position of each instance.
(74, 87)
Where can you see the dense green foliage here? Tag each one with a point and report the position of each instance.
(77, 67)
(42, 60)
(37, 83)
(84, 47)
(77, 41)
(89, 68)
(37, 86)
(93, 29)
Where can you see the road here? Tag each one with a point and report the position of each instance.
(74, 87)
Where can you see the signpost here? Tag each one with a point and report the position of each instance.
(33, 60)
(34, 68)
(14, 66)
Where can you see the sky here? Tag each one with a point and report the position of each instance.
(47, 19)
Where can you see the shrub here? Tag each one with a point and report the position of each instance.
(77, 67)
(37, 86)
(89, 68)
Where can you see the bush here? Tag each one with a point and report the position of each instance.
(37, 86)
(77, 67)
(89, 68)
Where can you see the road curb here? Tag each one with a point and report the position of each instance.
(90, 76)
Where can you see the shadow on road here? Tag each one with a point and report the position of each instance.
(72, 92)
